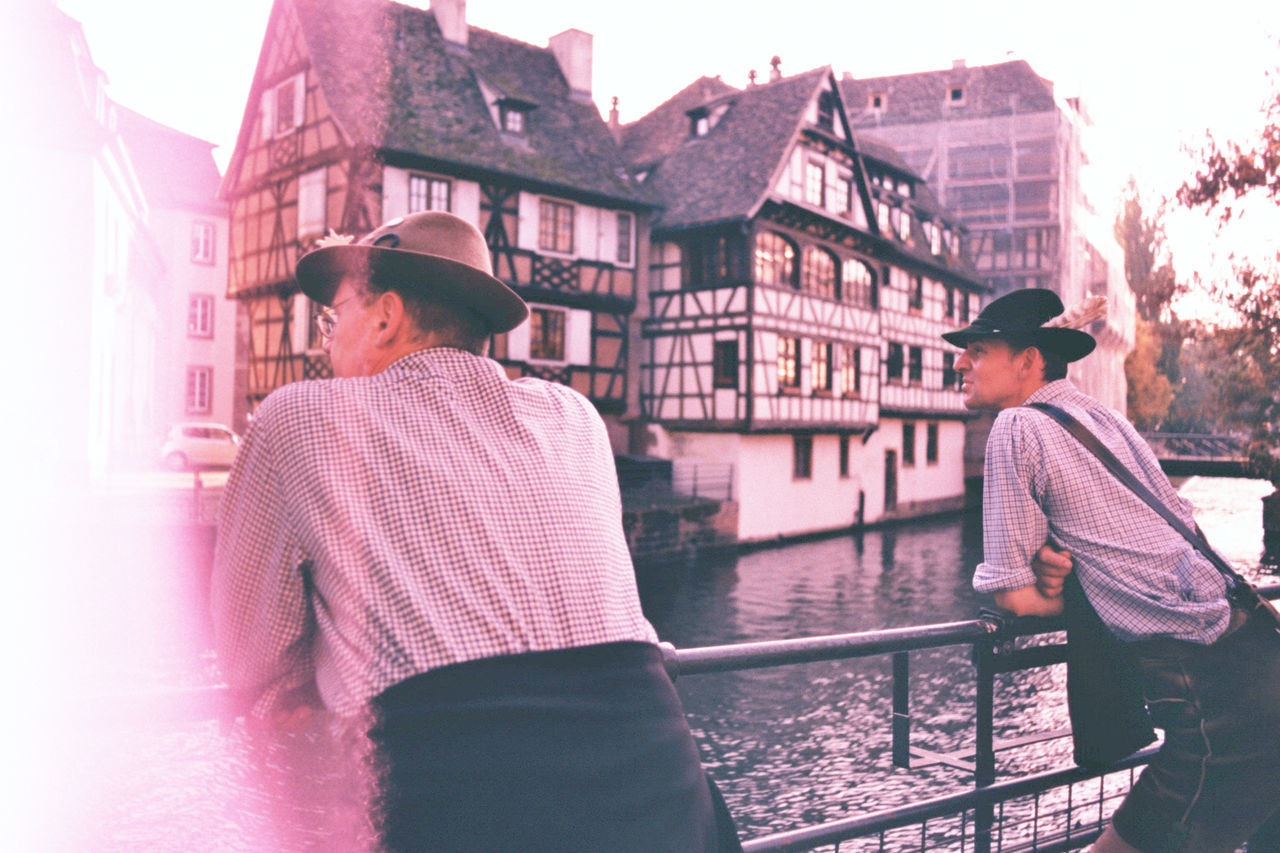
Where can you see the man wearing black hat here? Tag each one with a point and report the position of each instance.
(1210, 673)
(427, 540)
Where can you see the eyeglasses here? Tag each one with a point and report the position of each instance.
(327, 319)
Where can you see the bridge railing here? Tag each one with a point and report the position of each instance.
(978, 819)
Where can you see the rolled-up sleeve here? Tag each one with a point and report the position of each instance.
(1013, 524)
(262, 626)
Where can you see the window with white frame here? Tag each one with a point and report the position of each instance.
(428, 193)
(200, 316)
(624, 237)
(283, 106)
(555, 226)
(311, 203)
(546, 334)
(202, 236)
(199, 390)
(814, 182)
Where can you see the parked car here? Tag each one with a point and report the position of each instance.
(199, 446)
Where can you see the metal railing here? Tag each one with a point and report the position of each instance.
(980, 819)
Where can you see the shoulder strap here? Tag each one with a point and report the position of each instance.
(1127, 477)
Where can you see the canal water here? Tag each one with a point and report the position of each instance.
(788, 746)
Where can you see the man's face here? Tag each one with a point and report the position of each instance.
(994, 376)
(351, 347)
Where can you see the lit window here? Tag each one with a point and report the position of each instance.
(820, 366)
(839, 192)
(818, 272)
(555, 226)
(546, 334)
(725, 364)
(857, 281)
(851, 372)
(802, 468)
(199, 390)
(788, 362)
(775, 260)
(311, 203)
(200, 316)
(908, 444)
(624, 238)
(202, 234)
(426, 193)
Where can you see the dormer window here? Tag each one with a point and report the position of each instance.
(878, 100)
(513, 116)
(699, 122)
(955, 95)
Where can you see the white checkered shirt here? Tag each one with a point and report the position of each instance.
(448, 514)
(1040, 483)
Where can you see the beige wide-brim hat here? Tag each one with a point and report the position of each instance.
(433, 253)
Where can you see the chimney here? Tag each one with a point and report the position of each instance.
(572, 49)
(957, 64)
(615, 126)
(775, 66)
(451, 17)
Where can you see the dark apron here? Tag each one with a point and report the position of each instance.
(578, 750)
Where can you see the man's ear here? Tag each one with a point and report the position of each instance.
(391, 317)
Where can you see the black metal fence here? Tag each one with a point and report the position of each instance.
(1059, 810)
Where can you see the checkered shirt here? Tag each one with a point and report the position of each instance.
(447, 514)
(1041, 484)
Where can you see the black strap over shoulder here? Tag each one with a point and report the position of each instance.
(1240, 589)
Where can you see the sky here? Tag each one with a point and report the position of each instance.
(1153, 76)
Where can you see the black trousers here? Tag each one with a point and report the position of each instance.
(577, 750)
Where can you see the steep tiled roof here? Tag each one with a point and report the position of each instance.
(174, 168)
(725, 174)
(394, 83)
(988, 90)
(665, 128)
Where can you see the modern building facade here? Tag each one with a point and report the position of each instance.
(1006, 155)
(363, 111)
(800, 278)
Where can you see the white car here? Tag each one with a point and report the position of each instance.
(199, 446)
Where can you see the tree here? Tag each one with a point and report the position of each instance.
(1150, 391)
(1230, 179)
(1233, 178)
(1153, 369)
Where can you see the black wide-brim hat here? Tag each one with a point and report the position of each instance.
(433, 253)
(1021, 316)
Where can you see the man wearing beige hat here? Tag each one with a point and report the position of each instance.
(427, 540)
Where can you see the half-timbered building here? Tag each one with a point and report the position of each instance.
(363, 110)
(800, 277)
